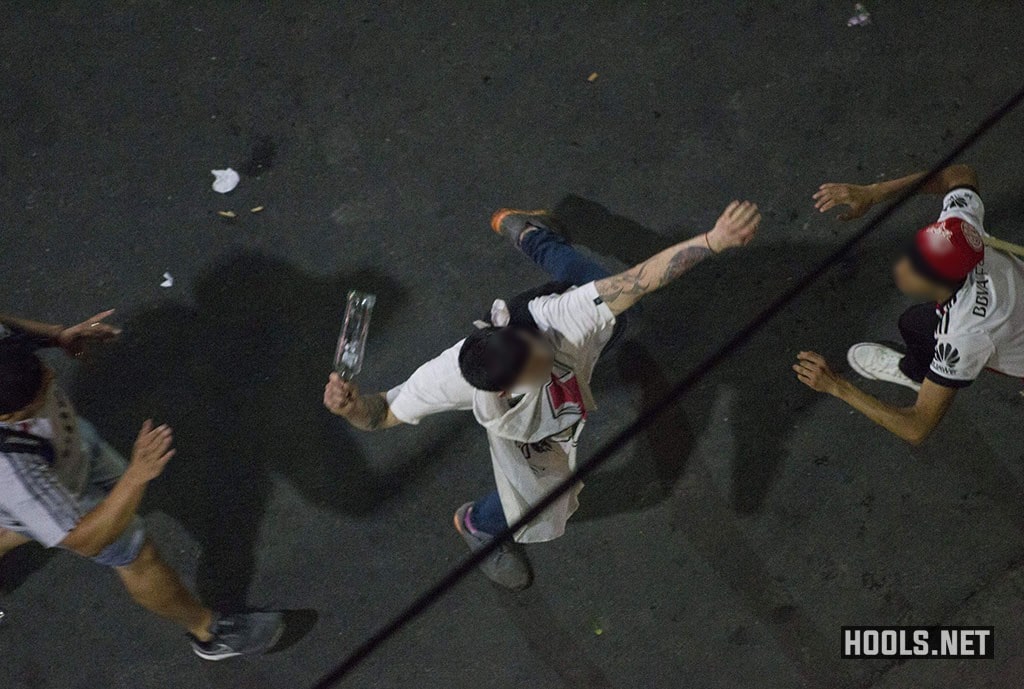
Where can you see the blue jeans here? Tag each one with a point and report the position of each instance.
(561, 260)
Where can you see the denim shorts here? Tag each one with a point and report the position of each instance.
(106, 466)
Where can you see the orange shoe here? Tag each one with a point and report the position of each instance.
(512, 223)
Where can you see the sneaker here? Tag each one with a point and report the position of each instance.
(507, 566)
(511, 223)
(877, 362)
(236, 635)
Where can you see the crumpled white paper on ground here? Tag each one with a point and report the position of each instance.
(862, 18)
(225, 180)
(168, 280)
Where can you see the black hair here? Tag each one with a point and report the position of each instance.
(21, 374)
(925, 270)
(492, 358)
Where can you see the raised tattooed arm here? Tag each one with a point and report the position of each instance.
(736, 227)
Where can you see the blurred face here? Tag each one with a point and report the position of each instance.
(911, 283)
(537, 371)
(33, 407)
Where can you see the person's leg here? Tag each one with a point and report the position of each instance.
(486, 515)
(917, 326)
(9, 540)
(156, 587)
(558, 258)
(149, 580)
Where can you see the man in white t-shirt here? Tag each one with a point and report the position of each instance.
(525, 375)
(973, 318)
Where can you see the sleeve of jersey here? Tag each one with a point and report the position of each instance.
(32, 495)
(966, 204)
(959, 359)
(436, 386)
(576, 315)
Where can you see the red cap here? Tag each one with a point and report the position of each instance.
(951, 248)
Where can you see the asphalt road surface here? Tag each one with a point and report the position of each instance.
(724, 549)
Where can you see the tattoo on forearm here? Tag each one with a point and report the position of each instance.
(682, 261)
(639, 281)
(633, 281)
(376, 411)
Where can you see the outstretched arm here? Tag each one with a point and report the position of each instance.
(43, 331)
(913, 424)
(72, 340)
(860, 198)
(365, 412)
(736, 227)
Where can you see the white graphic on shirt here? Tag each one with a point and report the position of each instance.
(940, 239)
(973, 237)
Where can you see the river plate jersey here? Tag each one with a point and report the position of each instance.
(982, 325)
(532, 437)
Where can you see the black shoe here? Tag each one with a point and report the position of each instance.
(512, 223)
(244, 634)
(507, 566)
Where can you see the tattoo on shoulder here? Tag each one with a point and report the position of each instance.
(376, 411)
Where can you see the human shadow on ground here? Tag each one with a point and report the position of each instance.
(239, 376)
(684, 323)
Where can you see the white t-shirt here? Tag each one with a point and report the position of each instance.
(573, 321)
(533, 437)
(982, 325)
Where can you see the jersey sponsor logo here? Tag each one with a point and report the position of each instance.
(946, 358)
(972, 236)
(982, 296)
(939, 238)
(957, 201)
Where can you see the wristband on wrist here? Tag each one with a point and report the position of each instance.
(707, 240)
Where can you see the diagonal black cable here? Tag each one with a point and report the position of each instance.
(623, 437)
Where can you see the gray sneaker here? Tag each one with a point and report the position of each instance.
(511, 223)
(236, 635)
(507, 566)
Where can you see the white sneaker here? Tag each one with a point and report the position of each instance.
(878, 362)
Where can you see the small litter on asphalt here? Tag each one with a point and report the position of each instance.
(168, 280)
(862, 18)
(592, 77)
(257, 209)
(225, 180)
(226, 214)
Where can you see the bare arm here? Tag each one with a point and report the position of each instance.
(365, 412)
(105, 523)
(43, 331)
(72, 340)
(736, 227)
(913, 424)
(860, 198)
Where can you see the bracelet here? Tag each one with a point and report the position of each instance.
(707, 240)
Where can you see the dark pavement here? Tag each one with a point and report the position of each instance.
(722, 551)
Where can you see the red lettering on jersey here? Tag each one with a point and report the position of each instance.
(565, 396)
